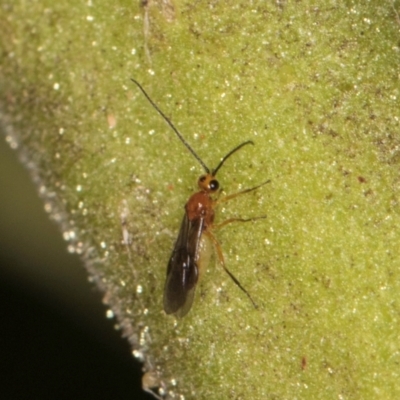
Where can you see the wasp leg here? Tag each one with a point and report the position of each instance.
(222, 262)
(230, 220)
(232, 196)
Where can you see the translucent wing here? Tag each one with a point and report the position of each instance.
(182, 270)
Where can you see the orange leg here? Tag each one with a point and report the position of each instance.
(230, 220)
(222, 262)
(232, 196)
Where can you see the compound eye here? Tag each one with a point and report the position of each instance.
(214, 185)
(202, 178)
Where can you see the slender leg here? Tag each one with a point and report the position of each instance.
(222, 262)
(232, 196)
(230, 220)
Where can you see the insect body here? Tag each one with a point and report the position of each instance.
(191, 250)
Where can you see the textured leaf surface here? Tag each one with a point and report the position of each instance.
(315, 86)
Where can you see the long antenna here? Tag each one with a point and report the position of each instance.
(168, 121)
(214, 171)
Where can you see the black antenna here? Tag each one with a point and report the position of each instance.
(176, 130)
(214, 171)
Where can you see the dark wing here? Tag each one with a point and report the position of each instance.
(182, 271)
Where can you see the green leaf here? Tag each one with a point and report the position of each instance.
(315, 86)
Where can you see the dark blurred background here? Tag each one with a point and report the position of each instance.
(55, 339)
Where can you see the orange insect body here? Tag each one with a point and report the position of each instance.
(191, 252)
(201, 205)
